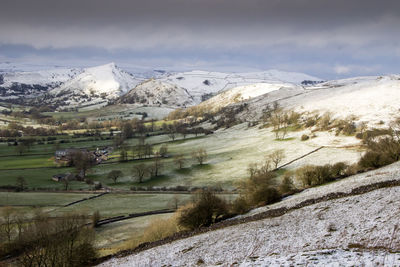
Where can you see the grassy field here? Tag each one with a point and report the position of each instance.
(39, 198)
(110, 238)
(229, 154)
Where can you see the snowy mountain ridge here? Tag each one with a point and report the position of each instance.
(101, 85)
(202, 84)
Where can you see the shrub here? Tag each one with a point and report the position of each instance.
(380, 153)
(286, 185)
(311, 175)
(304, 137)
(95, 218)
(240, 206)
(206, 209)
(338, 169)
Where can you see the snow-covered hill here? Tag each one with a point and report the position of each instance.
(94, 86)
(202, 84)
(369, 99)
(244, 93)
(154, 92)
(32, 84)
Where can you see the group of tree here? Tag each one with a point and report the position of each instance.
(46, 241)
(82, 160)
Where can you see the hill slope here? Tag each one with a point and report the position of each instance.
(154, 92)
(369, 99)
(202, 84)
(344, 231)
(97, 85)
(14, 85)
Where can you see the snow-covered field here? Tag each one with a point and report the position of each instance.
(360, 230)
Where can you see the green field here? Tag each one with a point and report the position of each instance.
(39, 198)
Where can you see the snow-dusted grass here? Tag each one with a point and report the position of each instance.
(232, 150)
(322, 234)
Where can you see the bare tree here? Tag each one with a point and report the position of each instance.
(66, 183)
(179, 160)
(21, 148)
(83, 161)
(157, 164)
(276, 157)
(200, 155)
(175, 201)
(163, 150)
(7, 223)
(280, 122)
(114, 175)
(20, 183)
(139, 171)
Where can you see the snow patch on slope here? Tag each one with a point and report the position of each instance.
(243, 93)
(154, 92)
(200, 84)
(93, 86)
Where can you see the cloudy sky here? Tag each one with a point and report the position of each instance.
(329, 39)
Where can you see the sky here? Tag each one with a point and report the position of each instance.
(327, 39)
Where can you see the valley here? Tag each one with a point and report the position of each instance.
(143, 153)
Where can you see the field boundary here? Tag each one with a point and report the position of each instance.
(85, 199)
(133, 215)
(303, 156)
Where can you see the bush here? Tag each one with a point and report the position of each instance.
(311, 175)
(240, 206)
(205, 210)
(338, 169)
(380, 153)
(304, 137)
(286, 185)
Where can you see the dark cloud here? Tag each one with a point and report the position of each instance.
(338, 35)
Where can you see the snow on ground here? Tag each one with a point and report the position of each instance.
(235, 148)
(387, 173)
(242, 93)
(355, 230)
(42, 77)
(107, 79)
(154, 92)
(199, 83)
(370, 99)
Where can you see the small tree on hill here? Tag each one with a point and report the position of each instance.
(200, 155)
(114, 175)
(21, 183)
(276, 157)
(179, 160)
(139, 171)
(157, 164)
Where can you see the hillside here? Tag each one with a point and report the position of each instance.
(154, 92)
(202, 84)
(16, 85)
(244, 93)
(370, 99)
(94, 86)
(320, 227)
